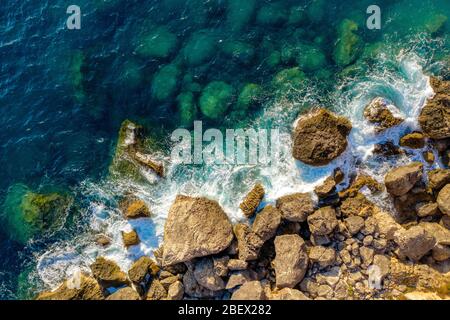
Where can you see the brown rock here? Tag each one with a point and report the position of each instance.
(323, 221)
(142, 269)
(427, 209)
(252, 290)
(338, 175)
(195, 227)
(288, 294)
(443, 200)
(266, 223)
(220, 265)
(156, 291)
(108, 273)
(438, 178)
(323, 256)
(415, 242)
(176, 291)
(354, 224)
(429, 157)
(291, 260)
(415, 140)
(147, 161)
(206, 276)
(377, 112)
(360, 182)
(320, 137)
(249, 243)
(387, 149)
(239, 278)
(192, 288)
(295, 207)
(126, 293)
(88, 289)
(326, 189)
(252, 200)
(103, 240)
(386, 225)
(130, 238)
(236, 264)
(400, 180)
(134, 208)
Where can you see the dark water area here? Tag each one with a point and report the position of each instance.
(64, 93)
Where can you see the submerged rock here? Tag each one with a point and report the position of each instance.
(251, 96)
(187, 109)
(108, 273)
(88, 289)
(215, 100)
(159, 43)
(295, 207)
(320, 137)
(240, 13)
(195, 227)
(200, 48)
(378, 112)
(252, 200)
(165, 82)
(272, 14)
(311, 58)
(348, 46)
(400, 180)
(434, 118)
(288, 80)
(291, 260)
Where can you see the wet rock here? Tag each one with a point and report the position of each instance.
(134, 208)
(236, 264)
(438, 178)
(266, 223)
(142, 270)
(326, 189)
(251, 290)
(206, 276)
(387, 149)
(415, 140)
(148, 162)
(130, 238)
(108, 273)
(354, 224)
(195, 227)
(360, 182)
(126, 293)
(272, 14)
(400, 180)
(291, 260)
(156, 291)
(434, 118)
(252, 200)
(427, 209)
(249, 244)
(415, 242)
(320, 137)
(322, 255)
(323, 221)
(378, 112)
(295, 207)
(288, 294)
(88, 289)
(443, 200)
(200, 48)
(176, 291)
(103, 240)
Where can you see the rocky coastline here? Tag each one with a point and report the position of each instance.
(332, 243)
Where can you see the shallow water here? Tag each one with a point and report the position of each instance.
(64, 94)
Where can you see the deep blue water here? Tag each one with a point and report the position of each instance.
(59, 122)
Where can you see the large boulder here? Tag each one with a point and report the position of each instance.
(438, 178)
(108, 273)
(414, 242)
(249, 243)
(195, 227)
(83, 288)
(443, 200)
(295, 207)
(252, 200)
(323, 221)
(378, 112)
(400, 180)
(266, 223)
(320, 137)
(291, 260)
(434, 118)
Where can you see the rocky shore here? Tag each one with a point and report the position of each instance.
(333, 243)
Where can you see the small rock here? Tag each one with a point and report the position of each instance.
(354, 224)
(326, 189)
(221, 265)
(205, 275)
(416, 295)
(108, 273)
(383, 263)
(443, 200)
(323, 256)
(438, 178)
(134, 208)
(377, 112)
(415, 140)
(236, 264)
(401, 180)
(130, 238)
(288, 294)
(252, 200)
(366, 255)
(429, 157)
(252, 290)
(156, 291)
(323, 221)
(142, 269)
(103, 240)
(427, 209)
(238, 278)
(414, 242)
(295, 207)
(249, 243)
(176, 291)
(325, 291)
(266, 223)
(357, 205)
(126, 293)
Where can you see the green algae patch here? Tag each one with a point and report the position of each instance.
(348, 45)
(76, 74)
(159, 43)
(239, 14)
(200, 48)
(29, 214)
(251, 96)
(239, 51)
(165, 82)
(187, 109)
(215, 100)
(273, 14)
(287, 80)
(311, 58)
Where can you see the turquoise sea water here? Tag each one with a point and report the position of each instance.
(64, 94)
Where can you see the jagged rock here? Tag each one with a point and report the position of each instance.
(386, 225)
(156, 291)
(108, 273)
(126, 293)
(358, 205)
(176, 291)
(383, 263)
(291, 260)
(220, 265)
(378, 112)
(400, 180)
(252, 200)
(323, 256)
(236, 264)
(327, 188)
(366, 254)
(438, 178)
(354, 224)
(429, 157)
(192, 288)
(320, 137)
(134, 208)
(427, 209)
(360, 182)
(130, 238)
(195, 227)
(288, 294)
(323, 221)
(142, 269)
(387, 149)
(406, 204)
(416, 295)
(414, 242)
(251, 290)
(434, 118)
(168, 281)
(266, 223)
(415, 140)
(206, 276)
(295, 207)
(238, 278)
(249, 243)
(443, 200)
(88, 289)
(103, 240)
